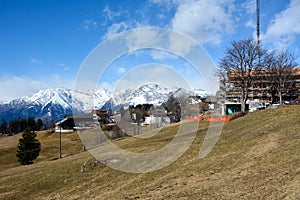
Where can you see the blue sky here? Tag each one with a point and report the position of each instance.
(44, 43)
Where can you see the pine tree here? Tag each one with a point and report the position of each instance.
(39, 125)
(3, 127)
(23, 124)
(31, 123)
(12, 127)
(28, 148)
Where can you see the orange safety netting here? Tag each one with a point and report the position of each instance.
(200, 118)
(218, 119)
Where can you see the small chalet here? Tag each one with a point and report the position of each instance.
(77, 121)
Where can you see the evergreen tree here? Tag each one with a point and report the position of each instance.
(12, 127)
(23, 124)
(28, 148)
(39, 125)
(3, 127)
(31, 123)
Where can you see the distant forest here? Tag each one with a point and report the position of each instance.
(20, 124)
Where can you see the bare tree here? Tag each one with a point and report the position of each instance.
(172, 106)
(279, 67)
(239, 63)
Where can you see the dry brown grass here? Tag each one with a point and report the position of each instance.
(49, 147)
(256, 157)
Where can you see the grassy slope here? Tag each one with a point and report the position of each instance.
(257, 157)
(49, 147)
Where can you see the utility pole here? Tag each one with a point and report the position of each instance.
(60, 139)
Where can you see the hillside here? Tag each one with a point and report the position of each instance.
(256, 157)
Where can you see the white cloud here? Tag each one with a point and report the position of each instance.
(88, 24)
(114, 29)
(109, 14)
(205, 20)
(114, 16)
(151, 73)
(105, 85)
(65, 68)
(161, 16)
(163, 3)
(247, 11)
(284, 27)
(36, 61)
(249, 6)
(17, 86)
(162, 55)
(180, 44)
(56, 80)
(121, 70)
(143, 38)
(115, 21)
(251, 24)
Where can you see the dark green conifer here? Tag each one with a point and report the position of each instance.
(28, 148)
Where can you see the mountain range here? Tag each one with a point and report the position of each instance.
(55, 102)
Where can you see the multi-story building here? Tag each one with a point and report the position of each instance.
(260, 88)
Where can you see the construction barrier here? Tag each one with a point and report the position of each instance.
(218, 119)
(209, 119)
(200, 118)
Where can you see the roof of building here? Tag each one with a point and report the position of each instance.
(211, 99)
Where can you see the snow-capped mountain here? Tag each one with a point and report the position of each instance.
(153, 94)
(54, 103)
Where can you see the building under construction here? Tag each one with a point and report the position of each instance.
(262, 85)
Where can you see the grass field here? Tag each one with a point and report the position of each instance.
(256, 157)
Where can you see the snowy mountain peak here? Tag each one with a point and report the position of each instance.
(59, 96)
(153, 87)
(151, 93)
(55, 102)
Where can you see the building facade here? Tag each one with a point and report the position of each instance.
(261, 87)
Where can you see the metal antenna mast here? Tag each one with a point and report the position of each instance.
(258, 29)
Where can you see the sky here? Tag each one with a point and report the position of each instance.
(46, 44)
